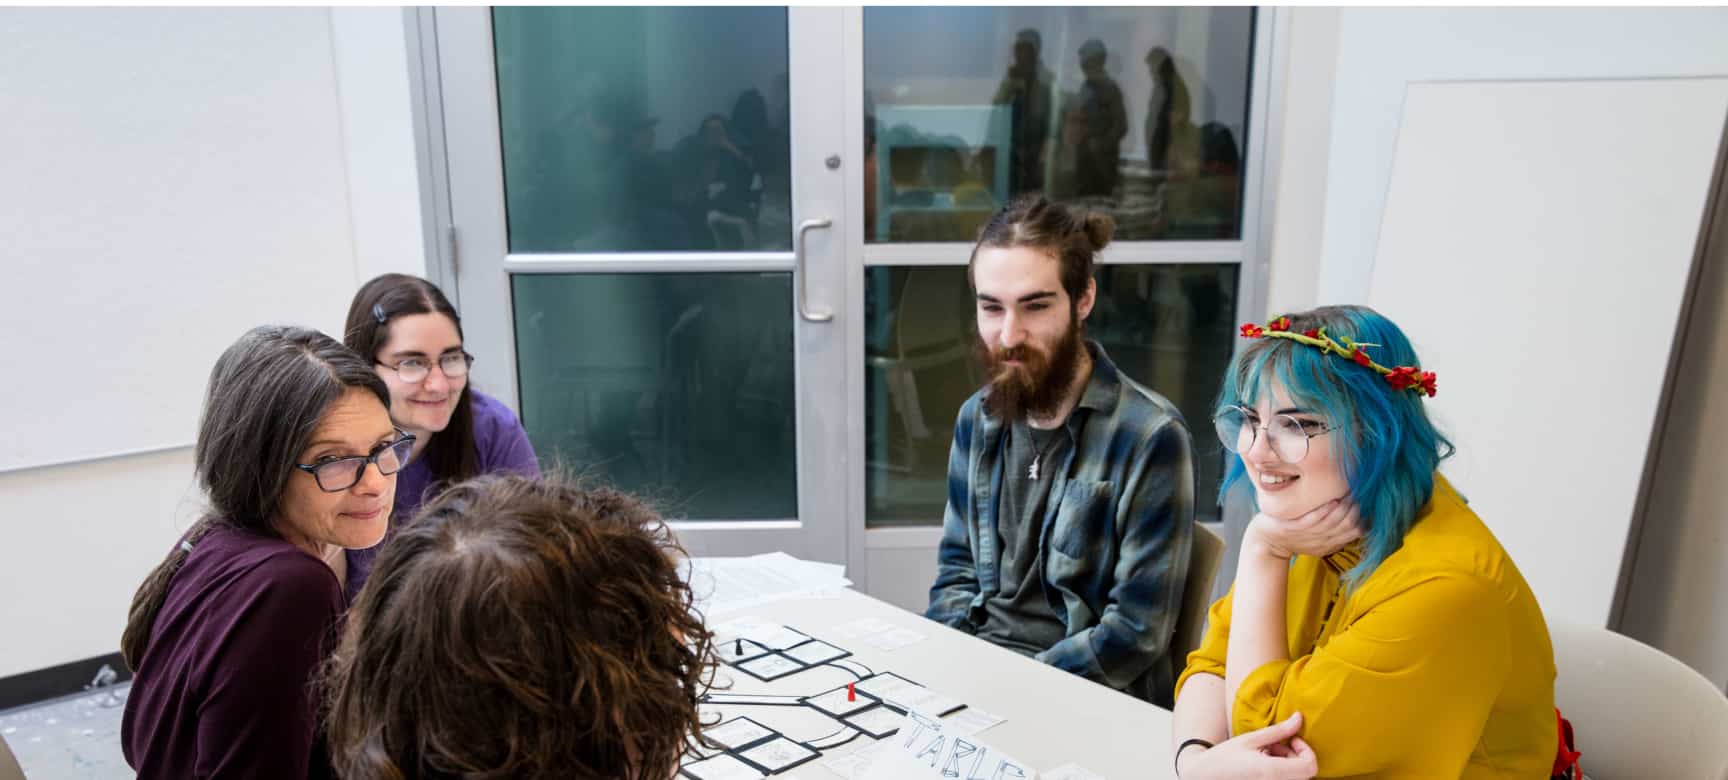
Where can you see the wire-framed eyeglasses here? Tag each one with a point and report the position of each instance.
(414, 370)
(1288, 436)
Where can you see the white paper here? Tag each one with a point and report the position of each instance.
(815, 652)
(863, 627)
(920, 699)
(894, 640)
(777, 753)
(969, 721)
(729, 584)
(834, 702)
(876, 721)
(924, 750)
(769, 667)
(734, 733)
(722, 767)
(1070, 772)
(847, 765)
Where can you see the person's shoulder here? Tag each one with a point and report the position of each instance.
(490, 414)
(1449, 541)
(1146, 408)
(270, 567)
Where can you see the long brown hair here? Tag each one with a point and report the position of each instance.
(1073, 237)
(266, 396)
(520, 629)
(451, 452)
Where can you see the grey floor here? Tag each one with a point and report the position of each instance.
(74, 738)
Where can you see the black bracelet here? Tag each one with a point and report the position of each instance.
(1176, 763)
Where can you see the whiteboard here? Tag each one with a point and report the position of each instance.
(168, 179)
(1536, 246)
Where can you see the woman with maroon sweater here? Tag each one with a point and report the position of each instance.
(297, 455)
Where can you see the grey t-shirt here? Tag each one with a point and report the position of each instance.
(1019, 617)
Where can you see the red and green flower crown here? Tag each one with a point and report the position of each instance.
(1400, 378)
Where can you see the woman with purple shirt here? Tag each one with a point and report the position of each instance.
(406, 326)
(297, 457)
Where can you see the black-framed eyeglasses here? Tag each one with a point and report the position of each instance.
(1287, 435)
(414, 370)
(335, 475)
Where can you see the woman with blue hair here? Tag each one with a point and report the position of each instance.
(1375, 626)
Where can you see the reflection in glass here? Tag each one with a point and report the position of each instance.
(1138, 112)
(678, 387)
(644, 129)
(1168, 327)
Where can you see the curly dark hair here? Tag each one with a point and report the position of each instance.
(521, 629)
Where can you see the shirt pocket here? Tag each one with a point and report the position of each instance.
(1085, 525)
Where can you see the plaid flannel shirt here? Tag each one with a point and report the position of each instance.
(1114, 539)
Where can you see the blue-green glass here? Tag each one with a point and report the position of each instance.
(644, 129)
(1168, 327)
(678, 387)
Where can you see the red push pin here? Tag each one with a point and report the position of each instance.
(851, 695)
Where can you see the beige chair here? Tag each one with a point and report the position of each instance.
(1197, 593)
(1637, 712)
(9, 768)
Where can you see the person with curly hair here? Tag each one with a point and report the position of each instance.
(521, 629)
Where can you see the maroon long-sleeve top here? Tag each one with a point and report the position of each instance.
(224, 686)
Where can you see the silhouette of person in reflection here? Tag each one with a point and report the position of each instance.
(1100, 99)
(1029, 89)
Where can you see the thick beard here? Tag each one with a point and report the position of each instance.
(1038, 386)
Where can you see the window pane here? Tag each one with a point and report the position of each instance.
(677, 387)
(644, 129)
(1139, 112)
(1168, 327)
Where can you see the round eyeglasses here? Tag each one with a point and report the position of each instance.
(335, 475)
(414, 370)
(1288, 436)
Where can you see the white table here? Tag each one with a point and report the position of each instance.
(1050, 717)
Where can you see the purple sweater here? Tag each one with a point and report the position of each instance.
(502, 446)
(223, 686)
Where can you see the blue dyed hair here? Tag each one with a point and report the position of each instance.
(1382, 438)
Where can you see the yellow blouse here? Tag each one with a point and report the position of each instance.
(1438, 665)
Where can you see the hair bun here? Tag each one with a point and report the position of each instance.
(1100, 228)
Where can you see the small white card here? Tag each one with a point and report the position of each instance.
(877, 723)
(894, 639)
(722, 767)
(863, 627)
(738, 732)
(777, 754)
(834, 702)
(815, 652)
(769, 667)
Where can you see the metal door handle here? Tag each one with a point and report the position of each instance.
(798, 270)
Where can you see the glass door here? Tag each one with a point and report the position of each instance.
(649, 249)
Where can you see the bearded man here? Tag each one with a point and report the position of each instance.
(1070, 510)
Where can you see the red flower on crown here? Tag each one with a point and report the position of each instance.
(1252, 331)
(1360, 357)
(1402, 377)
(1427, 383)
(1312, 333)
(1280, 324)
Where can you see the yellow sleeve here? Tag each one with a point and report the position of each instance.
(1408, 684)
(1208, 658)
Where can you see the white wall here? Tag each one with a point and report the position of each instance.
(263, 158)
(1381, 50)
(1335, 166)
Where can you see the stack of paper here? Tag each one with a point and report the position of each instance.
(727, 584)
